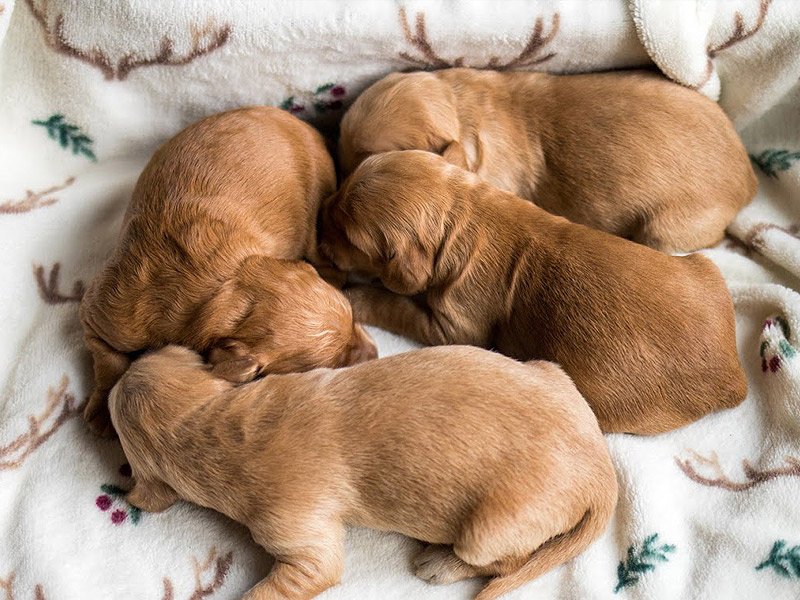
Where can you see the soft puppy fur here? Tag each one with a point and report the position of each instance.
(630, 153)
(649, 339)
(210, 257)
(499, 464)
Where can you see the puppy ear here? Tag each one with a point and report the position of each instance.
(455, 154)
(408, 271)
(231, 360)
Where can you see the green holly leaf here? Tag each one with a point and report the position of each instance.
(113, 490)
(67, 135)
(323, 88)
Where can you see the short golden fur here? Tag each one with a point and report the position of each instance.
(499, 464)
(630, 153)
(649, 339)
(210, 256)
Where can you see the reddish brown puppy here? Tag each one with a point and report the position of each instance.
(500, 464)
(630, 153)
(649, 339)
(210, 256)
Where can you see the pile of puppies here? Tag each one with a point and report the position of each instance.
(451, 214)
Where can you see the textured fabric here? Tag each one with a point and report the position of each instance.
(88, 91)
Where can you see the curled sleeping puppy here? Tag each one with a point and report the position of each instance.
(209, 256)
(499, 464)
(630, 153)
(648, 338)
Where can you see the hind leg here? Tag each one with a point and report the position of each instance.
(439, 565)
(512, 522)
(671, 231)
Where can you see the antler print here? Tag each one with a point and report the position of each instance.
(420, 41)
(752, 475)
(13, 454)
(33, 200)
(431, 60)
(48, 291)
(740, 33)
(536, 42)
(204, 41)
(7, 585)
(221, 565)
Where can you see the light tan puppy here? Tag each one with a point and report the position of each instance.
(500, 464)
(649, 339)
(210, 257)
(630, 153)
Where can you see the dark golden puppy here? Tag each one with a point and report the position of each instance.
(456, 446)
(649, 339)
(630, 153)
(210, 256)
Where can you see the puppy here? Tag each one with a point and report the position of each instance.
(500, 464)
(630, 153)
(649, 339)
(210, 257)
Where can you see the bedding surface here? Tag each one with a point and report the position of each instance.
(89, 90)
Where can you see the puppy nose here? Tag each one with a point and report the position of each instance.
(364, 348)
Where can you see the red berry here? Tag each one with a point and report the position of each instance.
(118, 516)
(337, 91)
(774, 363)
(764, 365)
(103, 502)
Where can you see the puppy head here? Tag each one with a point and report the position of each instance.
(403, 111)
(165, 376)
(388, 219)
(280, 316)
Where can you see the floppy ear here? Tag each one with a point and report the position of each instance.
(232, 360)
(455, 154)
(408, 271)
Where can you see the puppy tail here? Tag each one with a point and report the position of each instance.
(553, 552)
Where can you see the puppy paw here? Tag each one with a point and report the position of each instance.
(438, 565)
(99, 420)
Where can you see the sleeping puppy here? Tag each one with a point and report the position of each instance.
(630, 153)
(210, 256)
(499, 464)
(649, 339)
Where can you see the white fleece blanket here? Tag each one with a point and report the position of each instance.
(88, 90)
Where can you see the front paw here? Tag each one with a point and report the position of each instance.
(98, 418)
(154, 498)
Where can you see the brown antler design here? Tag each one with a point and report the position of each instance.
(49, 290)
(431, 60)
(204, 41)
(13, 454)
(740, 33)
(755, 237)
(7, 585)
(752, 475)
(528, 56)
(221, 565)
(420, 41)
(33, 200)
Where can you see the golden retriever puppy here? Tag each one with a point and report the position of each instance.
(630, 153)
(648, 338)
(499, 464)
(210, 257)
